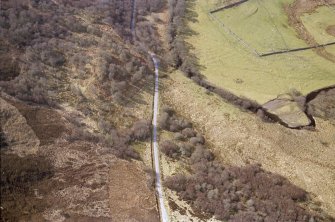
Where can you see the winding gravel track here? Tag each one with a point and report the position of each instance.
(159, 188)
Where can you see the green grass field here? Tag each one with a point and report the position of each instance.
(317, 23)
(226, 62)
(262, 24)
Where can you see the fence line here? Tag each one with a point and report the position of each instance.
(234, 35)
(254, 51)
(295, 50)
(273, 22)
(227, 6)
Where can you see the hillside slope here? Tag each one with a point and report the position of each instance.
(76, 96)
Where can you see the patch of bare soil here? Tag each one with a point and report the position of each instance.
(20, 179)
(295, 11)
(19, 136)
(46, 123)
(8, 69)
(81, 172)
(331, 30)
(130, 197)
(9, 66)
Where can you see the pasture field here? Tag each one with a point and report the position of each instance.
(262, 24)
(317, 23)
(227, 64)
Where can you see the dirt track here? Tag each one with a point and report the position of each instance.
(296, 10)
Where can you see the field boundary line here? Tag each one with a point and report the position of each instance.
(262, 54)
(234, 35)
(227, 6)
(273, 22)
(296, 49)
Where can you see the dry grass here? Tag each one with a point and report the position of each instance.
(130, 198)
(304, 157)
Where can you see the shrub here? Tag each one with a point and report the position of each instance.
(3, 142)
(141, 130)
(178, 136)
(169, 110)
(150, 173)
(323, 105)
(163, 121)
(188, 132)
(178, 124)
(201, 154)
(53, 58)
(105, 126)
(125, 152)
(170, 149)
(186, 149)
(176, 183)
(197, 140)
(242, 194)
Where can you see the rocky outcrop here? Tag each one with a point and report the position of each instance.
(288, 112)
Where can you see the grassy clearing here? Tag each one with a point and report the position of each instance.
(317, 23)
(227, 64)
